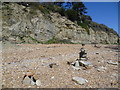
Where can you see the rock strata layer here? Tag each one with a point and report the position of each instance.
(22, 24)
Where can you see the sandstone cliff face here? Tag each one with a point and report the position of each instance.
(21, 24)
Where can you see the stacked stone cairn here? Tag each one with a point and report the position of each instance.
(82, 61)
(82, 54)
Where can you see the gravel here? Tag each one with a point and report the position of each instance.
(35, 58)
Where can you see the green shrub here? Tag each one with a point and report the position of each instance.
(71, 14)
(50, 7)
(43, 9)
(53, 40)
(85, 26)
(61, 11)
(35, 7)
(29, 37)
(6, 7)
(33, 12)
(21, 39)
(34, 40)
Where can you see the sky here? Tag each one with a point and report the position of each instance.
(104, 13)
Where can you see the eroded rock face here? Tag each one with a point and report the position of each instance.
(21, 24)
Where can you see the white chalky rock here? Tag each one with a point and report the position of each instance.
(79, 80)
(83, 58)
(72, 63)
(27, 80)
(38, 83)
(85, 63)
(101, 68)
(77, 64)
(76, 68)
(32, 81)
(113, 63)
(52, 77)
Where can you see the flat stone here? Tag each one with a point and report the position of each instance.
(38, 82)
(101, 69)
(113, 63)
(27, 80)
(79, 80)
(83, 58)
(33, 79)
(77, 64)
(32, 82)
(73, 63)
(76, 68)
(89, 67)
(85, 63)
(52, 77)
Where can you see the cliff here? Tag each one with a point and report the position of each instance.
(22, 24)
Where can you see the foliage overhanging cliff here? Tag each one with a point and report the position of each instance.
(52, 23)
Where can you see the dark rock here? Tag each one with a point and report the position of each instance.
(52, 65)
(97, 53)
